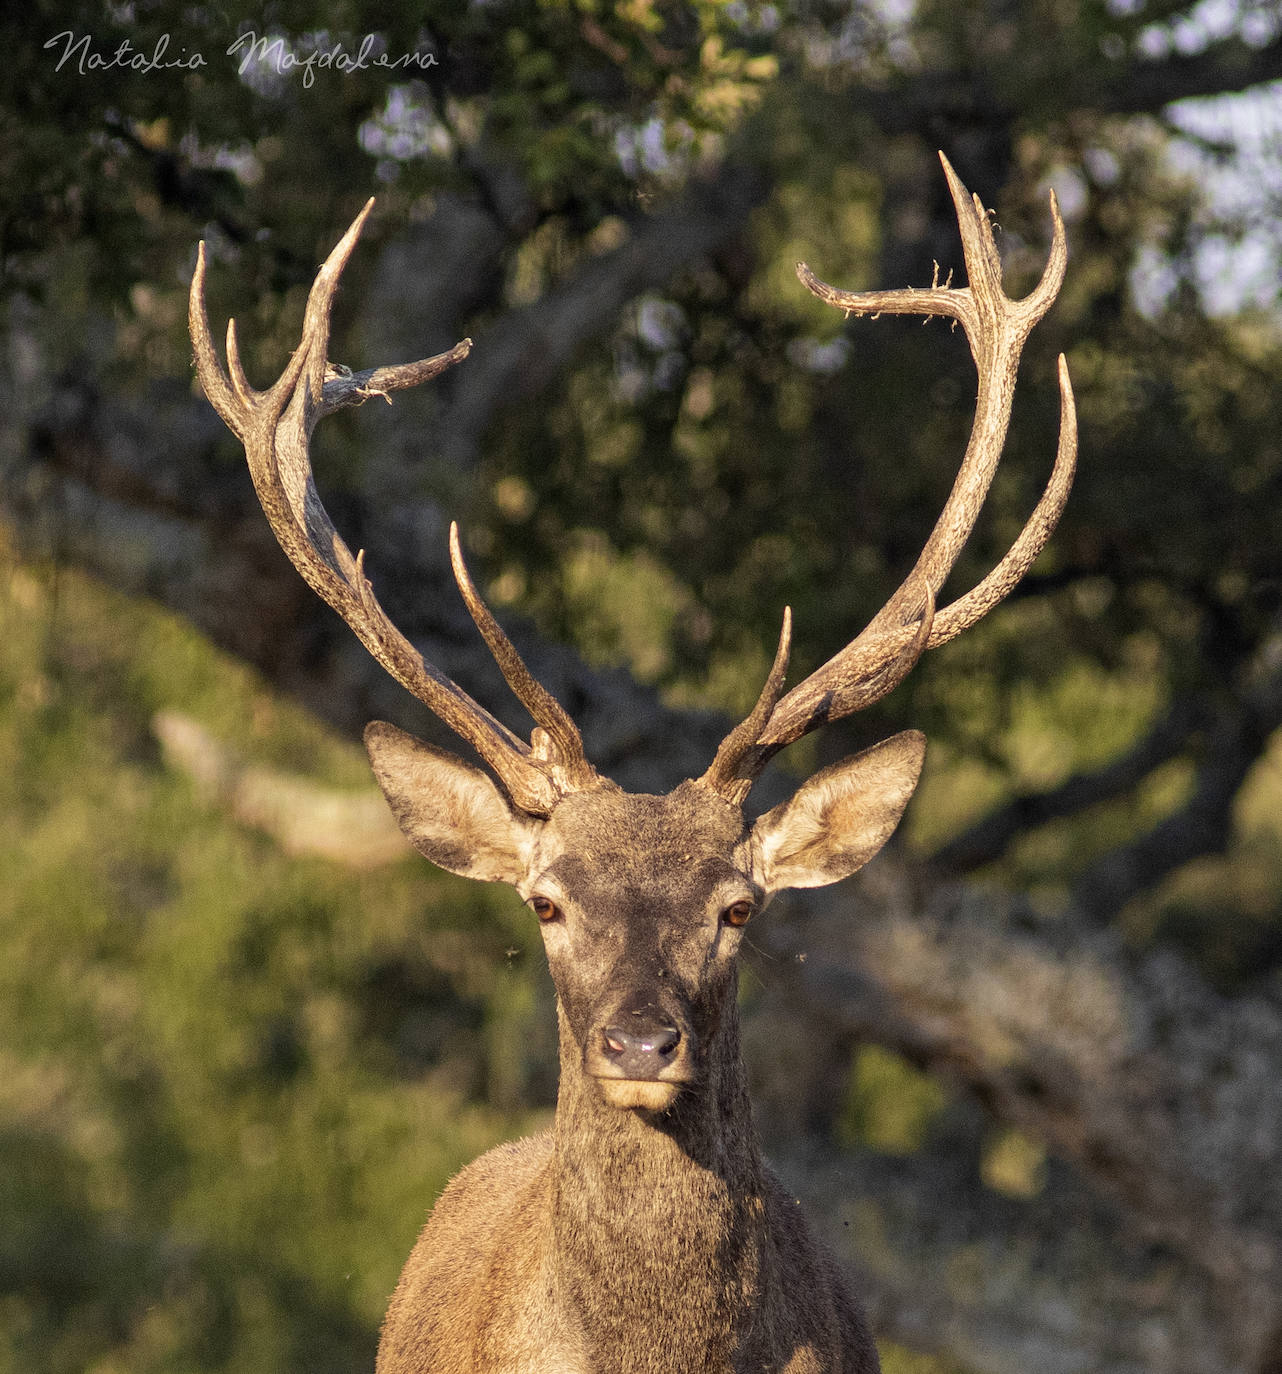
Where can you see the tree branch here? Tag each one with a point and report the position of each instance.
(1147, 86)
(1203, 825)
(108, 495)
(1137, 85)
(989, 838)
(529, 348)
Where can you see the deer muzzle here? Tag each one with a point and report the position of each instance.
(640, 1058)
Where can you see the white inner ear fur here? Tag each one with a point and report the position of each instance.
(451, 812)
(834, 823)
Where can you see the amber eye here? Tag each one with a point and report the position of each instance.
(544, 908)
(737, 913)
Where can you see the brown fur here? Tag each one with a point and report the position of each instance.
(625, 1240)
(608, 1245)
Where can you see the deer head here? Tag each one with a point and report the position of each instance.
(642, 900)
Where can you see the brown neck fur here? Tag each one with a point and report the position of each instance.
(658, 1218)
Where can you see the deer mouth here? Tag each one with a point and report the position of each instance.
(650, 1095)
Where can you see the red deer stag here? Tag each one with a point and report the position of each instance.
(643, 1231)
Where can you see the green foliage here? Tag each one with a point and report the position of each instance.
(232, 1082)
(889, 1105)
(898, 1359)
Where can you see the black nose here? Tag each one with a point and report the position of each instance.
(641, 1051)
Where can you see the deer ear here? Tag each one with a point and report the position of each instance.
(451, 812)
(840, 818)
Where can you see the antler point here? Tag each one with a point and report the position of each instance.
(461, 575)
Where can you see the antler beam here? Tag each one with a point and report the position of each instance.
(275, 427)
(909, 624)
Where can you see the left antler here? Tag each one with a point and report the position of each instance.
(908, 624)
(275, 427)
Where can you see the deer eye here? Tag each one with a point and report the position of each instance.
(544, 908)
(737, 913)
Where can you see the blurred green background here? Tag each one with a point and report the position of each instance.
(244, 1038)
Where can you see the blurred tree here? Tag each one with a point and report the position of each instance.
(609, 200)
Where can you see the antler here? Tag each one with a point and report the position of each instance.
(908, 624)
(275, 427)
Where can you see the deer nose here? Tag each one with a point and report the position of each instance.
(640, 1051)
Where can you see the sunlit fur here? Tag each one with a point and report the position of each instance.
(643, 1233)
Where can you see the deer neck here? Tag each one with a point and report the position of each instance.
(658, 1218)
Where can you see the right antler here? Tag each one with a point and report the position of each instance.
(908, 624)
(275, 427)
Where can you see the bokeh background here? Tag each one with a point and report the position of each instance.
(1027, 1071)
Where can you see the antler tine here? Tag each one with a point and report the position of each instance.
(734, 769)
(557, 733)
(275, 426)
(961, 614)
(885, 657)
(213, 379)
(996, 328)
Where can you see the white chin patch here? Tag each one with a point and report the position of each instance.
(636, 1092)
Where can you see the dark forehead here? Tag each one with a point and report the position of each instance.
(689, 834)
